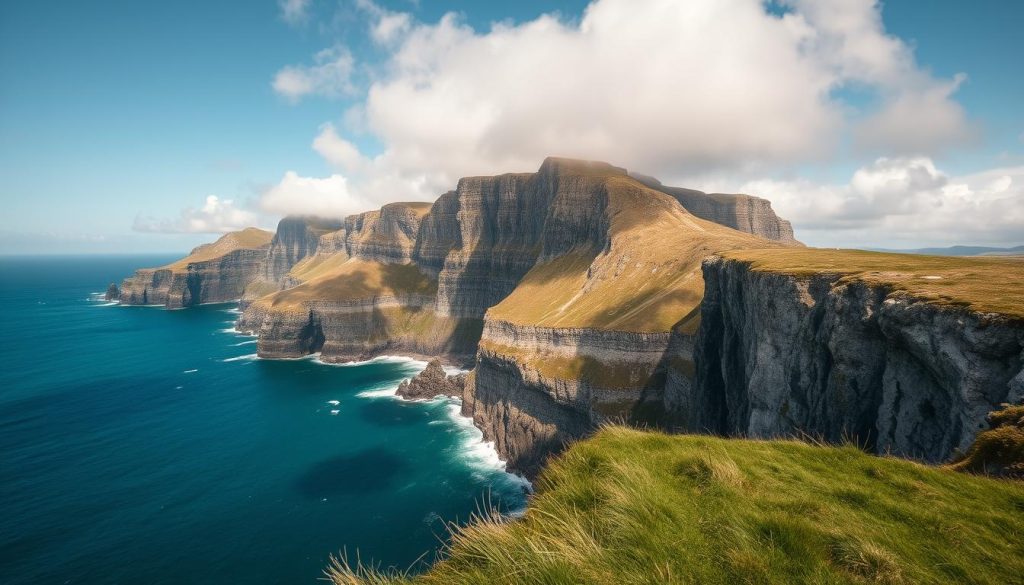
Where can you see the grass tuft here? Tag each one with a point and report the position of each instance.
(1000, 449)
(636, 507)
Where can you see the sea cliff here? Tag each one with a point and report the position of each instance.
(848, 346)
(581, 294)
(211, 273)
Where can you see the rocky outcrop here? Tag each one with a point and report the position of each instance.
(212, 273)
(432, 382)
(745, 213)
(113, 293)
(535, 389)
(211, 281)
(296, 238)
(840, 358)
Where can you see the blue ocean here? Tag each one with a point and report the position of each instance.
(139, 445)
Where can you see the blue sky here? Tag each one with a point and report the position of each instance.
(115, 111)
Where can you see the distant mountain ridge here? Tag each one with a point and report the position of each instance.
(958, 251)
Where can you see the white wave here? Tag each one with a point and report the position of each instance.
(190, 371)
(233, 311)
(108, 304)
(246, 342)
(380, 392)
(334, 402)
(230, 330)
(381, 359)
(481, 455)
(335, 412)
(246, 357)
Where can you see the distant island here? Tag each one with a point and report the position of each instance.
(581, 296)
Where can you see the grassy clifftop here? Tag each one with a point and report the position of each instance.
(629, 506)
(647, 280)
(249, 238)
(985, 285)
(351, 280)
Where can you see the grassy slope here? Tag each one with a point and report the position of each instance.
(629, 506)
(249, 238)
(648, 281)
(352, 280)
(987, 285)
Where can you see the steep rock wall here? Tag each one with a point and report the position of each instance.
(745, 213)
(211, 281)
(779, 355)
(296, 238)
(536, 388)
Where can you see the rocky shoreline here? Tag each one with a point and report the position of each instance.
(580, 294)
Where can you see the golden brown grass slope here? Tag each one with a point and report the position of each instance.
(249, 238)
(353, 280)
(648, 280)
(999, 450)
(980, 284)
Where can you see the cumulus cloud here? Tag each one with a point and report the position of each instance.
(329, 75)
(723, 88)
(215, 216)
(325, 197)
(337, 151)
(294, 12)
(902, 202)
(662, 86)
(386, 25)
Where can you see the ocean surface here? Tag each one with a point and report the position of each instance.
(139, 445)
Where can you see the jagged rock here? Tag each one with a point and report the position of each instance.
(432, 382)
(113, 293)
(840, 359)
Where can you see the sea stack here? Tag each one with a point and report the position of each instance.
(432, 382)
(113, 293)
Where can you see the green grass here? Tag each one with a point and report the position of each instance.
(630, 506)
(980, 284)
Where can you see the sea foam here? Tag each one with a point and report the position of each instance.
(239, 358)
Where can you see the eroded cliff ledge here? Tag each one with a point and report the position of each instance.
(577, 295)
(211, 273)
(901, 354)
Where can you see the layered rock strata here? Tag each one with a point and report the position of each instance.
(746, 213)
(840, 358)
(212, 273)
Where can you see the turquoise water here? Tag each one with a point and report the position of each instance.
(139, 445)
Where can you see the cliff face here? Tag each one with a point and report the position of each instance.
(211, 273)
(839, 357)
(745, 213)
(296, 238)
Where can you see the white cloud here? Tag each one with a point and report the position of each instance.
(294, 12)
(902, 202)
(324, 197)
(215, 216)
(385, 25)
(330, 75)
(660, 86)
(338, 151)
